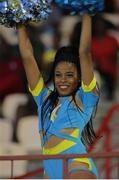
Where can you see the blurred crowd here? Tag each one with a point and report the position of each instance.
(59, 30)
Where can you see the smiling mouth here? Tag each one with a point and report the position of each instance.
(63, 87)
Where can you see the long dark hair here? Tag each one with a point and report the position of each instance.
(66, 54)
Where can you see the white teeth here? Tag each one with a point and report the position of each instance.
(63, 87)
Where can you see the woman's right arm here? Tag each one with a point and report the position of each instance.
(31, 68)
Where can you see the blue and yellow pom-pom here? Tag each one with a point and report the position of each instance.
(82, 6)
(21, 11)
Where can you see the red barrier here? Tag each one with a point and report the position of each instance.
(104, 129)
(36, 172)
(65, 157)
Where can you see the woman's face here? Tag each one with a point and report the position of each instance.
(66, 78)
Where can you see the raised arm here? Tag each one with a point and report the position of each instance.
(32, 72)
(85, 50)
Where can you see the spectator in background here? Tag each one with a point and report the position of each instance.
(11, 70)
(116, 6)
(109, 5)
(75, 35)
(39, 47)
(75, 40)
(113, 17)
(50, 37)
(112, 6)
(26, 109)
(104, 51)
(12, 78)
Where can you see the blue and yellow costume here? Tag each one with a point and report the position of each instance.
(68, 116)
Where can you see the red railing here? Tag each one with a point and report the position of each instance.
(64, 157)
(104, 125)
(107, 131)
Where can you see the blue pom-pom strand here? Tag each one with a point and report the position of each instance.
(82, 6)
(13, 12)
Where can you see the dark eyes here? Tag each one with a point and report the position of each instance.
(67, 75)
(57, 75)
(70, 75)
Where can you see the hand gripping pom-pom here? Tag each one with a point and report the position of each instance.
(82, 6)
(13, 12)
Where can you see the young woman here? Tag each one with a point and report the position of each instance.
(65, 113)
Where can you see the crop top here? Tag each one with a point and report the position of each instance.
(68, 116)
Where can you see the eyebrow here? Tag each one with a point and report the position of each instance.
(66, 72)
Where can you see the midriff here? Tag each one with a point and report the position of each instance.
(54, 140)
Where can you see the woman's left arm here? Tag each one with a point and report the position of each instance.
(87, 73)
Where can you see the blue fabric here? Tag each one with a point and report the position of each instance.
(39, 100)
(67, 117)
(54, 168)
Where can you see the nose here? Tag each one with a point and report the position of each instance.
(63, 79)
